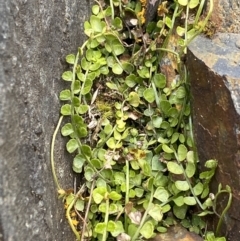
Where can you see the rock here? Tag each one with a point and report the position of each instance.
(35, 36)
(226, 16)
(177, 233)
(214, 69)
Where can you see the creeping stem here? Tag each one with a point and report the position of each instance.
(52, 153)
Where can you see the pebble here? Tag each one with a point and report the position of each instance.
(177, 233)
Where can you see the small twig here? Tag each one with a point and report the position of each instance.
(52, 153)
(69, 209)
(87, 210)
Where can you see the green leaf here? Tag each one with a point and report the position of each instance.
(87, 87)
(190, 169)
(183, 2)
(157, 121)
(117, 69)
(113, 208)
(85, 64)
(180, 212)
(190, 157)
(182, 152)
(111, 86)
(134, 99)
(139, 192)
(167, 149)
(102, 207)
(168, 22)
(144, 72)
(98, 194)
(82, 109)
(67, 129)
(165, 106)
(131, 80)
(174, 168)
(78, 163)
(94, 66)
(162, 229)
(190, 201)
(166, 208)
(70, 58)
(174, 137)
(114, 196)
(180, 31)
(76, 87)
(156, 212)
(161, 194)
(182, 185)
(179, 201)
(149, 95)
(159, 80)
(65, 95)
(96, 163)
(118, 229)
(95, 9)
(193, 3)
(79, 205)
(147, 230)
(75, 101)
(86, 150)
(68, 76)
(111, 226)
(204, 213)
(127, 67)
(181, 92)
(111, 143)
(72, 145)
(146, 169)
(117, 48)
(198, 189)
(211, 164)
(117, 23)
(96, 24)
(100, 228)
(181, 138)
(66, 110)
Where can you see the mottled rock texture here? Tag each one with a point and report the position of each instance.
(214, 68)
(35, 35)
(177, 233)
(226, 16)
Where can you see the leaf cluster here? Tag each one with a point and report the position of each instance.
(129, 128)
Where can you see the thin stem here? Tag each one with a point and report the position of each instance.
(189, 183)
(170, 51)
(87, 210)
(203, 24)
(69, 210)
(200, 8)
(127, 194)
(186, 28)
(112, 8)
(52, 153)
(144, 217)
(225, 209)
(104, 237)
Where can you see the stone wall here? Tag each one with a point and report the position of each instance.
(35, 36)
(214, 69)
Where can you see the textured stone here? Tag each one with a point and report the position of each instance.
(226, 16)
(214, 68)
(35, 36)
(177, 233)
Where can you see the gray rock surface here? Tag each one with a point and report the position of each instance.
(226, 16)
(35, 36)
(214, 69)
